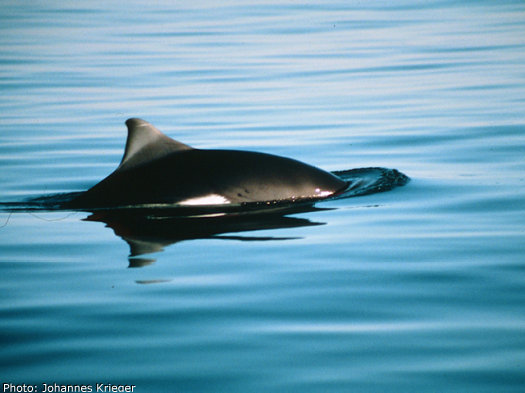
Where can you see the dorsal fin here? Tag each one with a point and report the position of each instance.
(146, 143)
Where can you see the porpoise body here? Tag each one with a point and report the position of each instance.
(157, 170)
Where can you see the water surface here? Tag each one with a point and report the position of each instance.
(419, 289)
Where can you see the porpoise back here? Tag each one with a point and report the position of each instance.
(157, 170)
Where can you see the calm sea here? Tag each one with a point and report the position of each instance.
(419, 289)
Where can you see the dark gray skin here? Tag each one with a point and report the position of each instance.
(156, 170)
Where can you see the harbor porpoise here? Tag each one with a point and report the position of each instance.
(157, 170)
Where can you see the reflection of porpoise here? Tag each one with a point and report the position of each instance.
(151, 230)
(156, 170)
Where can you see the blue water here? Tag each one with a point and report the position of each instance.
(419, 289)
